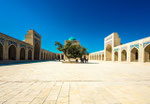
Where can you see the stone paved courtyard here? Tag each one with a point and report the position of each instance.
(56, 83)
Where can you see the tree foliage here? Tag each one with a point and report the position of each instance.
(71, 50)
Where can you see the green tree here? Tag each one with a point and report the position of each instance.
(71, 50)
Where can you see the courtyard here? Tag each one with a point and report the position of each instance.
(52, 82)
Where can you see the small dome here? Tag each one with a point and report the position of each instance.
(71, 38)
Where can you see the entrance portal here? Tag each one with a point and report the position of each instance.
(36, 51)
(109, 53)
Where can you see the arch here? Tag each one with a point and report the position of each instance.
(147, 53)
(58, 57)
(124, 55)
(109, 53)
(116, 56)
(22, 54)
(12, 52)
(99, 57)
(102, 56)
(1, 51)
(36, 51)
(134, 55)
(29, 55)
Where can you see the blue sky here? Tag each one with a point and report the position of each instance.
(89, 21)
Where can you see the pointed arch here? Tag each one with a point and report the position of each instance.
(29, 55)
(147, 53)
(12, 52)
(124, 55)
(22, 54)
(134, 55)
(116, 56)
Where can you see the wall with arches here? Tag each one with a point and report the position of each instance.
(59, 56)
(136, 51)
(29, 49)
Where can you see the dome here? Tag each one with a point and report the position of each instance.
(71, 38)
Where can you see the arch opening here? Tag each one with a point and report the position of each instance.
(99, 57)
(36, 51)
(1, 51)
(29, 55)
(116, 56)
(124, 55)
(109, 53)
(58, 57)
(147, 54)
(134, 55)
(12, 52)
(22, 54)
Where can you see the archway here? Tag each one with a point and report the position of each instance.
(1, 51)
(12, 52)
(58, 57)
(109, 53)
(147, 53)
(134, 55)
(124, 55)
(99, 57)
(29, 55)
(22, 54)
(116, 56)
(36, 51)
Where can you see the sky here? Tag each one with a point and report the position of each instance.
(89, 21)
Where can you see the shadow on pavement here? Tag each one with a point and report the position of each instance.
(6, 63)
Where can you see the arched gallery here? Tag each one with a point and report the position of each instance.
(136, 51)
(29, 49)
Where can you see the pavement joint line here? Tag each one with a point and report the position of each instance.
(137, 81)
(59, 92)
(49, 92)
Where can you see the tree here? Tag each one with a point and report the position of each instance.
(71, 50)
